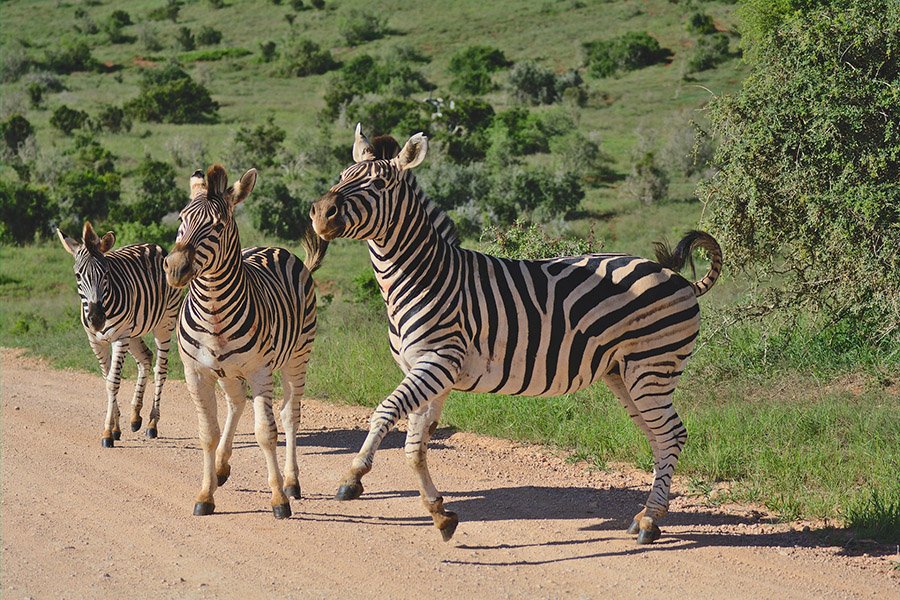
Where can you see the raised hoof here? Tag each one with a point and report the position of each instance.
(107, 442)
(152, 433)
(292, 491)
(349, 491)
(117, 435)
(136, 425)
(648, 536)
(282, 511)
(634, 528)
(221, 479)
(201, 509)
(450, 526)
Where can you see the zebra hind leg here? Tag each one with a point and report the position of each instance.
(294, 378)
(143, 357)
(267, 438)
(422, 423)
(162, 338)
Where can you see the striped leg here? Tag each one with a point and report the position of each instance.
(422, 423)
(294, 376)
(201, 385)
(236, 394)
(267, 438)
(142, 355)
(111, 429)
(162, 337)
(102, 352)
(650, 389)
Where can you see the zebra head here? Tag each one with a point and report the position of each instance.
(91, 272)
(207, 225)
(364, 203)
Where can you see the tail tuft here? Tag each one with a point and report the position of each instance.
(683, 253)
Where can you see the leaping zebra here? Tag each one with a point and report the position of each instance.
(247, 313)
(124, 296)
(462, 320)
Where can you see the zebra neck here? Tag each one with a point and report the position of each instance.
(226, 276)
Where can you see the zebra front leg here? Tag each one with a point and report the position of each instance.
(422, 423)
(102, 352)
(201, 385)
(160, 373)
(113, 379)
(267, 439)
(294, 377)
(141, 354)
(235, 392)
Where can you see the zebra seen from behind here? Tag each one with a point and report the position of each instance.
(247, 313)
(124, 296)
(462, 320)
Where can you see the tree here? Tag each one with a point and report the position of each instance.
(169, 95)
(68, 119)
(633, 50)
(472, 66)
(809, 159)
(25, 210)
(158, 194)
(15, 130)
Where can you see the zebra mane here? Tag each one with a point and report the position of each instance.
(386, 147)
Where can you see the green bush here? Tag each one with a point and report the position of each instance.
(708, 51)
(185, 39)
(268, 51)
(700, 23)
(14, 61)
(461, 127)
(158, 194)
(533, 83)
(138, 233)
(113, 119)
(389, 115)
(87, 194)
(209, 36)
(69, 56)
(25, 211)
(582, 155)
(360, 26)
(301, 57)
(536, 194)
(452, 185)
(68, 119)
(809, 161)
(628, 52)
(366, 75)
(260, 146)
(759, 18)
(275, 211)
(648, 182)
(170, 11)
(472, 66)
(524, 241)
(169, 95)
(15, 130)
(113, 25)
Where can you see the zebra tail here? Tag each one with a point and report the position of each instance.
(314, 246)
(683, 252)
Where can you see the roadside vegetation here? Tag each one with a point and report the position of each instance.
(772, 124)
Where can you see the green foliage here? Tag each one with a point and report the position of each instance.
(87, 194)
(876, 517)
(15, 130)
(366, 75)
(359, 26)
(14, 61)
(301, 57)
(628, 52)
(113, 25)
(472, 66)
(25, 211)
(209, 36)
(809, 161)
(169, 95)
(70, 56)
(139, 233)
(533, 83)
(759, 18)
(68, 120)
(648, 182)
(113, 119)
(213, 54)
(700, 23)
(524, 241)
(268, 50)
(158, 194)
(581, 154)
(185, 39)
(461, 126)
(366, 292)
(260, 146)
(536, 194)
(170, 11)
(708, 52)
(275, 211)
(390, 115)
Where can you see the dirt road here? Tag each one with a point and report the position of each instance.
(81, 521)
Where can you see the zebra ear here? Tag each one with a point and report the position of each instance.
(242, 188)
(413, 153)
(362, 149)
(107, 242)
(68, 243)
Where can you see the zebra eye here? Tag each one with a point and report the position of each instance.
(77, 276)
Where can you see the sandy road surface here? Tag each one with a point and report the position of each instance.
(81, 521)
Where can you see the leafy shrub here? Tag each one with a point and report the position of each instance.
(87, 194)
(648, 182)
(114, 24)
(524, 241)
(259, 146)
(149, 38)
(158, 194)
(452, 185)
(209, 36)
(113, 119)
(700, 23)
(318, 4)
(67, 119)
(533, 83)
(472, 66)
(275, 211)
(267, 50)
(759, 18)
(217, 4)
(809, 163)
(139, 233)
(14, 61)
(582, 155)
(35, 94)
(687, 149)
(185, 39)
(70, 56)
(365, 291)
(365, 75)
(25, 210)
(461, 126)
(301, 57)
(212, 54)
(360, 26)
(534, 193)
(400, 115)
(169, 95)
(628, 52)
(169, 11)
(709, 51)
(297, 5)
(187, 152)
(15, 130)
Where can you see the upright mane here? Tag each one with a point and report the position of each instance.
(386, 148)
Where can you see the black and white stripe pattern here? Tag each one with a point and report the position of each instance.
(247, 313)
(462, 320)
(124, 296)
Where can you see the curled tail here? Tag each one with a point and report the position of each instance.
(314, 246)
(675, 259)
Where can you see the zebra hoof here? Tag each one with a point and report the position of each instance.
(292, 491)
(117, 435)
(201, 509)
(450, 525)
(152, 433)
(107, 442)
(634, 528)
(648, 536)
(349, 491)
(282, 511)
(136, 425)
(221, 479)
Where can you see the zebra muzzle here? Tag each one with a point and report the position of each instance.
(179, 267)
(95, 315)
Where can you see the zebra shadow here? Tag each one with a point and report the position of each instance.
(325, 442)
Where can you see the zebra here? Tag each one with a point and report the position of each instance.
(462, 320)
(247, 313)
(124, 296)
